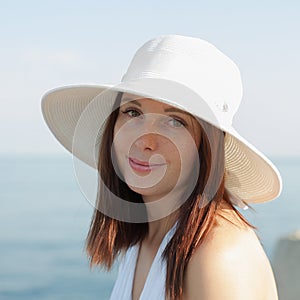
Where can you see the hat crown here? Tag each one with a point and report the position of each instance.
(195, 63)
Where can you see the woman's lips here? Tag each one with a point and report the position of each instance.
(143, 166)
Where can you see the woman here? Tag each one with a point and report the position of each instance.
(171, 169)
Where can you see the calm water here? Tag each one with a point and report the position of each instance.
(44, 220)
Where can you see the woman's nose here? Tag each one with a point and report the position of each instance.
(148, 138)
(147, 142)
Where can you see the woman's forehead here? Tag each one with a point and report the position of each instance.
(150, 102)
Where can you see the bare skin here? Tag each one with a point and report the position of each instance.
(231, 264)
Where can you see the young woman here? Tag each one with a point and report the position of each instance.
(171, 170)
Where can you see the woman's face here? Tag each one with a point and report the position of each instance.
(156, 146)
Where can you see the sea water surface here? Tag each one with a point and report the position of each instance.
(44, 219)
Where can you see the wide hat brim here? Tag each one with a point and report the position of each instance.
(76, 115)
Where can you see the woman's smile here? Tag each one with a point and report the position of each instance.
(143, 166)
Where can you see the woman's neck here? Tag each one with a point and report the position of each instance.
(157, 229)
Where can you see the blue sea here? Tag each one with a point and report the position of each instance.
(44, 220)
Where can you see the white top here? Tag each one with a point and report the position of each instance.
(154, 287)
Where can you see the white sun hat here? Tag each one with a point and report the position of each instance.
(186, 72)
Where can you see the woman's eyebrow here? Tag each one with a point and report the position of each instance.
(127, 100)
(174, 109)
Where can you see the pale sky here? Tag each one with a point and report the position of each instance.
(45, 44)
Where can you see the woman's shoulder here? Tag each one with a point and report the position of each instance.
(230, 264)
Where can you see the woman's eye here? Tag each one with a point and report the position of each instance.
(177, 123)
(133, 113)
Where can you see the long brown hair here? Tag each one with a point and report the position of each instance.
(108, 237)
